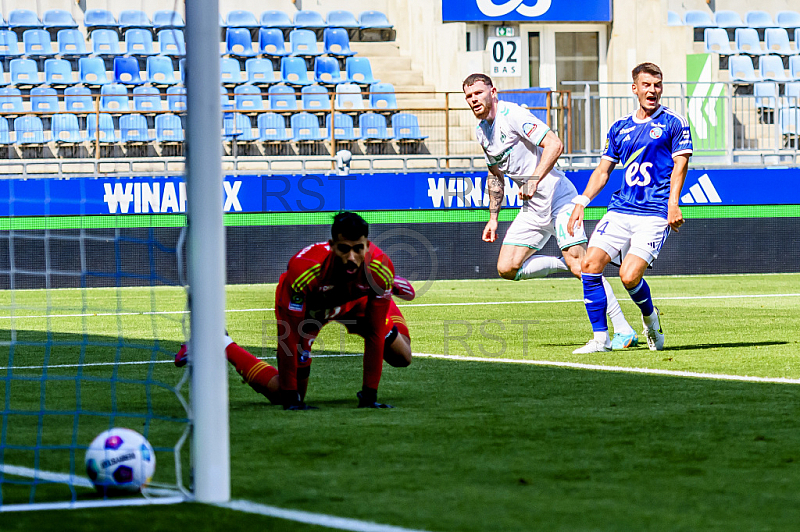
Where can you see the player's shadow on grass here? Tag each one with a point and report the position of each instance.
(723, 345)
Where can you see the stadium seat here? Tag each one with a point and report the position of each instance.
(241, 19)
(272, 128)
(777, 41)
(166, 18)
(29, 130)
(134, 18)
(9, 45)
(171, 42)
(766, 96)
(716, 41)
(169, 129)
(374, 23)
(728, 19)
(238, 42)
(788, 119)
(160, 71)
(741, 69)
(58, 73)
(24, 72)
(794, 67)
(146, 99)
(223, 98)
(133, 129)
(11, 101)
(57, 19)
(315, 98)
(373, 128)
(343, 129)
(698, 19)
(788, 19)
(770, 67)
(139, 42)
(5, 132)
(359, 70)
(94, 19)
(758, 19)
(326, 71)
(305, 128)
(105, 133)
(343, 19)
(126, 71)
(336, 43)
(105, 43)
(247, 98)
(309, 20)
(78, 99)
(23, 19)
(271, 43)
(278, 20)
(114, 98)
(303, 43)
(37, 44)
(406, 127)
(237, 126)
(92, 71)
(674, 19)
(71, 43)
(230, 72)
(2, 75)
(382, 96)
(65, 130)
(259, 71)
(792, 93)
(747, 42)
(293, 71)
(281, 98)
(44, 100)
(348, 97)
(176, 99)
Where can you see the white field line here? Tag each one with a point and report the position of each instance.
(465, 304)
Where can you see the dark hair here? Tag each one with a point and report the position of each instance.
(474, 78)
(349, 225)
(647, 68)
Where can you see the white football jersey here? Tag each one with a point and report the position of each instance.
(511, 143)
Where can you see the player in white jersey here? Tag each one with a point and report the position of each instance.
(654, 145)
(523, 148)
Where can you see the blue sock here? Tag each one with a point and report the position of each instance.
(641, 296)
(594, 297)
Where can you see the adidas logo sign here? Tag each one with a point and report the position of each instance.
(702, 192)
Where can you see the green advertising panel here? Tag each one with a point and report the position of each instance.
(705, 106)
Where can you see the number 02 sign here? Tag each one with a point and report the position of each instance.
(504, 55)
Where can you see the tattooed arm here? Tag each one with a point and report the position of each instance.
(495, 184)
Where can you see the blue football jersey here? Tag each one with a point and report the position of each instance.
(646, 148)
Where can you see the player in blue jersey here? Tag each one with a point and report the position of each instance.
(654, 145)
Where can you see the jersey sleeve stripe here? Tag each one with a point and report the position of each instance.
(607, 158)
(304, 278)
(682, 152)
(387, 272)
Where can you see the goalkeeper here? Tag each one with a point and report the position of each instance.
(348, 280)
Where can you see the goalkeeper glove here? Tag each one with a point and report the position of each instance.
(368, 398)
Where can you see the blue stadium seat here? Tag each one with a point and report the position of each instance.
(24, 72)
(133, 129)
(758, 19)
(29, 130)
(348, 97)
(278, 20)
(792, 93)
(37, 44)
(160, 71)
(171, 42)
(182, 69)
(230, 72)
(56, 19)
(167, 18)
(789, 118)
(11, 101)
(315, 98)
(342, 19)
(747, 42)
(238, 43)
(134, 18)
(5, 134)
(271, 43)
(272, 128)
(374, 23)
(126, 71)
(223, 98)
(65, 129)
(335, 42)
(674, 19)
(406, 127)
(259, 71)
(326, 71)
(359, 70)
(241, 19)
(146, 99)
(237, 126)
(343, 127)
(698, 19)
(728, 19)
(281, 98)
(382, 96)
(105, 133)
(44, 100)
(766, 96)
(794, 67)
(9, 45)
(293, 71)
(308, 19)
(788, 19)
(92, 71)
(305, 128)
(139, 42)
(303, 43)
(58, 73)
(247, 98)
(373, 127)
(169, 129)
(105, 43)
(2, 75)
(71, 43)
(78, 99)
(94, 19)
(771, 68)
(114, 98)
(741, 69)
(777, 41)
(176, 99)
(22, 19)
(716, 41)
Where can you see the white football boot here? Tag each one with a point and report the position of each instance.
(592, 347)
(655, 337)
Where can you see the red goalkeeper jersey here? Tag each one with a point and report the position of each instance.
(307, 298)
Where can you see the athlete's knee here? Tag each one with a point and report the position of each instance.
(398, 354)
(507, 272)
(629, 279)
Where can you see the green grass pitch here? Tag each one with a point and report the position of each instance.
(471, 445)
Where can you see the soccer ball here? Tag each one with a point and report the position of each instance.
(120, 460)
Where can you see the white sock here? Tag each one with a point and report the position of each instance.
(652, 320)
(621, 325)
(540, 266)
(227, 341)
(602, 337)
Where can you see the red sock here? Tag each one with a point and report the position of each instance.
(255, 372)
